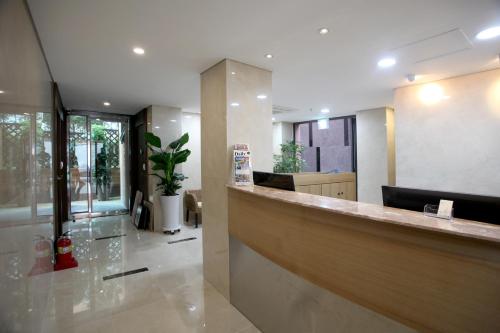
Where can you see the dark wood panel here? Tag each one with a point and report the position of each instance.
(138, 165)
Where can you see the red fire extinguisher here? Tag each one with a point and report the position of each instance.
(43, 256)
(64, 257)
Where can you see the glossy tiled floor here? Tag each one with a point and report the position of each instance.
(171, 297)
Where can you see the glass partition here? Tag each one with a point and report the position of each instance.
(25, 167)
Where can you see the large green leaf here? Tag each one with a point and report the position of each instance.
(159, 166)
(177, 144)
(152, 139)
(181, 156)
(160, 158)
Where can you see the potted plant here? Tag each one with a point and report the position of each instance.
(102, 175)
(164, 163)
(290, 160)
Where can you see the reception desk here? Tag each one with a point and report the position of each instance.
(302, 262)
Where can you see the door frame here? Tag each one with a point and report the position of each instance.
(59, 162)
(103, 116)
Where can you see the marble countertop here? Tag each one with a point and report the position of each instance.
(459, 227)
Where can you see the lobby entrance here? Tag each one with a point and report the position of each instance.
(98, 164)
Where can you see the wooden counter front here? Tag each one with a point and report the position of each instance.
(430, 279)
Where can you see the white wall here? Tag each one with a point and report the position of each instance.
(374, 152)
(453, 144)
(276, 138)
(192, 167)
(282, 132)
(166, 124)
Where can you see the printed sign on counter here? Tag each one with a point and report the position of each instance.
(445, 209)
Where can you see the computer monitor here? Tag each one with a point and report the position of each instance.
(274, 180)
(465, 206)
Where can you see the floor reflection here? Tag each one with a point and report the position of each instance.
(171, 297)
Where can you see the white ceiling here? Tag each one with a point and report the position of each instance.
(88, 46)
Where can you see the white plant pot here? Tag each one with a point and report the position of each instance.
(170, 211)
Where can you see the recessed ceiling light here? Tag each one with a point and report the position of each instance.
(139, 50)
(233, 73)
(187, 116)
(323, 31)
(386, 62)
(157, 127)
(489, 33)
(262, 96)
(2, 92)
(173, 120)
(106, 103)
(325, 110)
(235, 104)
(269, 56)
(274, 119)
(26, 113)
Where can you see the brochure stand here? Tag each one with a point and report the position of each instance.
(242, 165)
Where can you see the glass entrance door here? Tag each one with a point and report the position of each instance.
(98, 164)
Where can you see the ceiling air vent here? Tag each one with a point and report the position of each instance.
(279, 109)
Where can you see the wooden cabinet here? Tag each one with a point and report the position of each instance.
(340, 186)
(302, 188)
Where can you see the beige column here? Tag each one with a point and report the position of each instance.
(236, 107)
(375, 153)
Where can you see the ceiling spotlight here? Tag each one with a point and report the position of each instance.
(235, 104)
(157, 127)
(323, 31)
(273, 119)
(386, 62)
(187, 116)
(489, 33)
(139, 50)
(106, 103)
(325, 110)
(173, 120)
(269, 56)
(2, 92)
(233, 73)
(261, 96)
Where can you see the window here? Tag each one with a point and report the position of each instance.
(329, 144)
